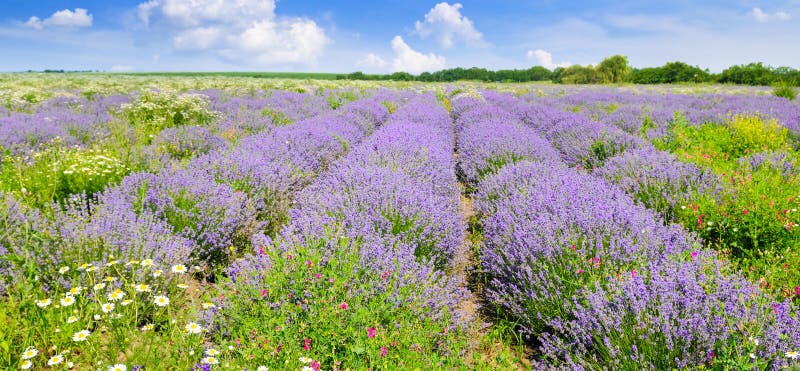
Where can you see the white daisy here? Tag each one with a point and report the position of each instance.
(142, 288)
(107, 307)
(54, 360)
(115, 295)
(81, 335)
(118, 367)
(161, 300)
(29, 353)
(43, 303)
(72, 319)
(193, 328)
(178, 268)
(67, 301)
(212, 352)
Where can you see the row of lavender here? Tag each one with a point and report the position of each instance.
(628, 110)
(590, 275)
(80, 121)
(206, 212)
(395, 196)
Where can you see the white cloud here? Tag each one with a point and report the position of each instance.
(144, 10)
(372, 61)
(62, 18)
(445, 23)
(545, 59)
(412, 61)
(198, 38)
(241, 30)
(763, 17)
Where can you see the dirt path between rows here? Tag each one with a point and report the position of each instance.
(486, 347)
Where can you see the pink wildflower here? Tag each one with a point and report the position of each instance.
(371, 332)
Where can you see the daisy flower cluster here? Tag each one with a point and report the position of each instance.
(95, 300)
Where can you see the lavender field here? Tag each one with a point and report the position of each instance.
(194, 223)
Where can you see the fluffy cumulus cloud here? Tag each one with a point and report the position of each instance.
(446, 23)
(412, 61)
(241, 30)
(763, 17)
(372, 61)
(545, 59)
(63, 18)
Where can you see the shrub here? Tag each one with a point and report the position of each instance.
(341, 313)
(784, 91)
(154, 111)
(56, 171)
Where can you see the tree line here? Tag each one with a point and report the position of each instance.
(612, 70)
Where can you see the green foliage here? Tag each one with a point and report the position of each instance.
(576, 74)
(670, 73)
(493, 164)
(154, 111)
(278, 118)
(56, 171)
(784, 91)
(747, 74)
(115, 304)
(335, 312)
(600, 151)
(614, 70)
(720, 146)
(755, 134)
(752, 217)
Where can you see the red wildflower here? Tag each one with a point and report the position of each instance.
(307, 344)
(343, 306)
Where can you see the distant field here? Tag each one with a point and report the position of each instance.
(263, 75)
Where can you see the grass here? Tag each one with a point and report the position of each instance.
(258, 75)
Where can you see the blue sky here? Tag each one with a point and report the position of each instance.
(380, 37)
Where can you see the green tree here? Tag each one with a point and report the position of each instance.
(614, 69)
(577, 74)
